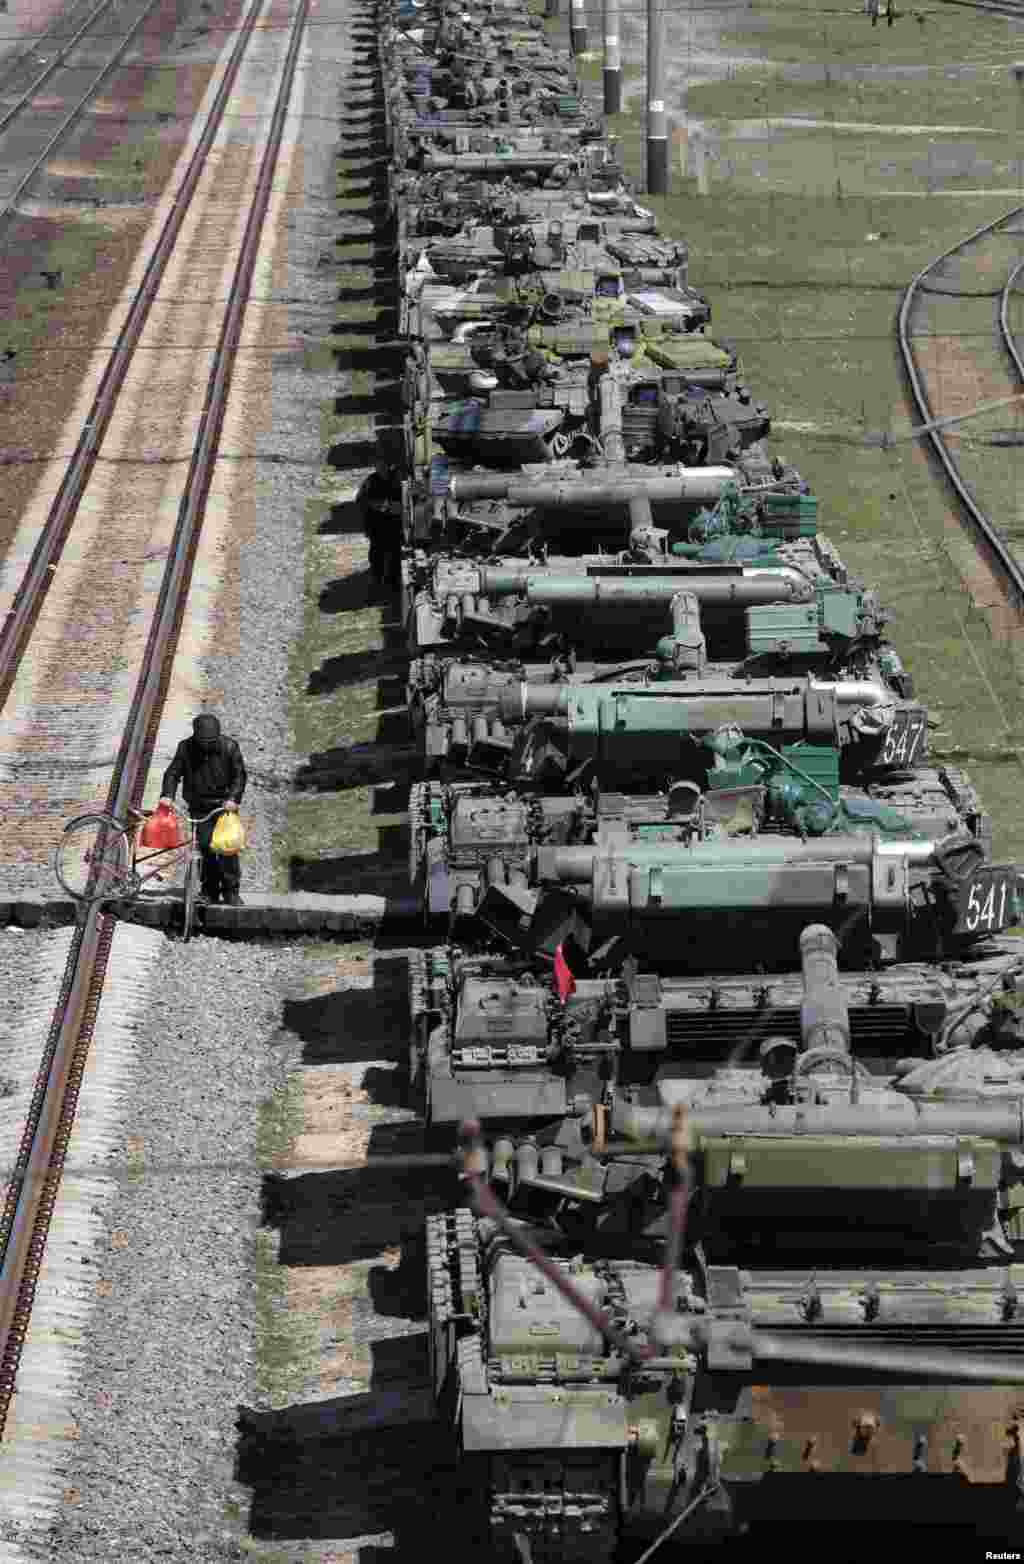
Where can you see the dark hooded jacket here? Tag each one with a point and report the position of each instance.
(207, 777)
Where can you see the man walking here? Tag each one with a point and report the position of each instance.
(211, 771)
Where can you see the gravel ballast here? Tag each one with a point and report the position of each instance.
(171, 1349)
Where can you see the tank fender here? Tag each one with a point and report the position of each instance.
(545, 1420)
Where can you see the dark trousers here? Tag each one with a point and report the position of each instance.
(222, 875)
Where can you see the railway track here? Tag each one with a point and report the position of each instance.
(29, 54)
(941, 287)
(33, 1186)
(18, 175)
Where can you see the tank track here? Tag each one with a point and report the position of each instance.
(429, 974)
(426, 806)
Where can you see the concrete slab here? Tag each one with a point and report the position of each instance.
(263, 914)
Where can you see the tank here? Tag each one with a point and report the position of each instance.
(735, 840)
(721, 1021)
(548, 507)
(431, 205)
(794, 600)
(840, 1305)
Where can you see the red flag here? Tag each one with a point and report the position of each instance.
(565, 983)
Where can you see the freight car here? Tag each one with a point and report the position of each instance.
(714, 936)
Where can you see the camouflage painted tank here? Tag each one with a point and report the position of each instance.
(515, 393)
(845, 1303)
(720, 940)
(756, 598)
(434, 204)
(736, 829)
(552, 505)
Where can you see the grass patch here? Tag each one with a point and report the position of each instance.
(800, 33)
(983, 100)
(590, 68)
(336, 664)
(805, 246)
(287, 1344)
(39, 317)
(279, 1125)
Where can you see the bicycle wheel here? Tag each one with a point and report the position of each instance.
(93, 859)
(191, 892)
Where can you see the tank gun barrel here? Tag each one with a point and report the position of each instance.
(612, 440)
(825, 1012)
(748, 588)
(905, 1363)
(756, 710)
(897, 1119)
(694, 485)
(491, 163)
(576, 865)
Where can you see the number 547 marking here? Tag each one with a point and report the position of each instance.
(903, 741)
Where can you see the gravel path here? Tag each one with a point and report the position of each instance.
(170, 1352)
(169, 1349)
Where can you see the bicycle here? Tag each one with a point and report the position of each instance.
(99, 859)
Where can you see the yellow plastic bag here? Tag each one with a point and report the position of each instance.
(228, 835)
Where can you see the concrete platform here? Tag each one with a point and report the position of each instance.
(344, 917)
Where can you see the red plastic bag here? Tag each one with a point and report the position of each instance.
(162, 830)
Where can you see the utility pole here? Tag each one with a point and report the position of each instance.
(612, 59)
(578, 27)
(657, 120)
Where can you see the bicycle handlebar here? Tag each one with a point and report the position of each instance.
(144, 814)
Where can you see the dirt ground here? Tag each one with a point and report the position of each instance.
(57, 333)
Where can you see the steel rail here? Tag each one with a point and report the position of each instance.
(10, 209)
(1009, 340)
(32, 1196)
(58, 63)
(987, 533)
(36, 41)
(997, 7)
(31, 593)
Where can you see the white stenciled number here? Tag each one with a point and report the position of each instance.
(914, 733)
(981, 905)
(902, 741)
(897, 732)
(973, 907)
(988, 910)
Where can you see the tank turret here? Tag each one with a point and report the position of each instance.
(719, 1367)
(769, 838)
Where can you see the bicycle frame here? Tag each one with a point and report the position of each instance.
(168, 856)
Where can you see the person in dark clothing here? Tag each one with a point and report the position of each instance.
(211, 771)
(380, 500)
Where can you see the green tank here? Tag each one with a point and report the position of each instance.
(738, 826)
(843, 1307)
(724, 1010)
(794, 600)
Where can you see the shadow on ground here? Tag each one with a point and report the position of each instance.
(358, 1468)
(384, 872)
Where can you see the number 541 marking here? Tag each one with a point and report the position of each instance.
(987, 903)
